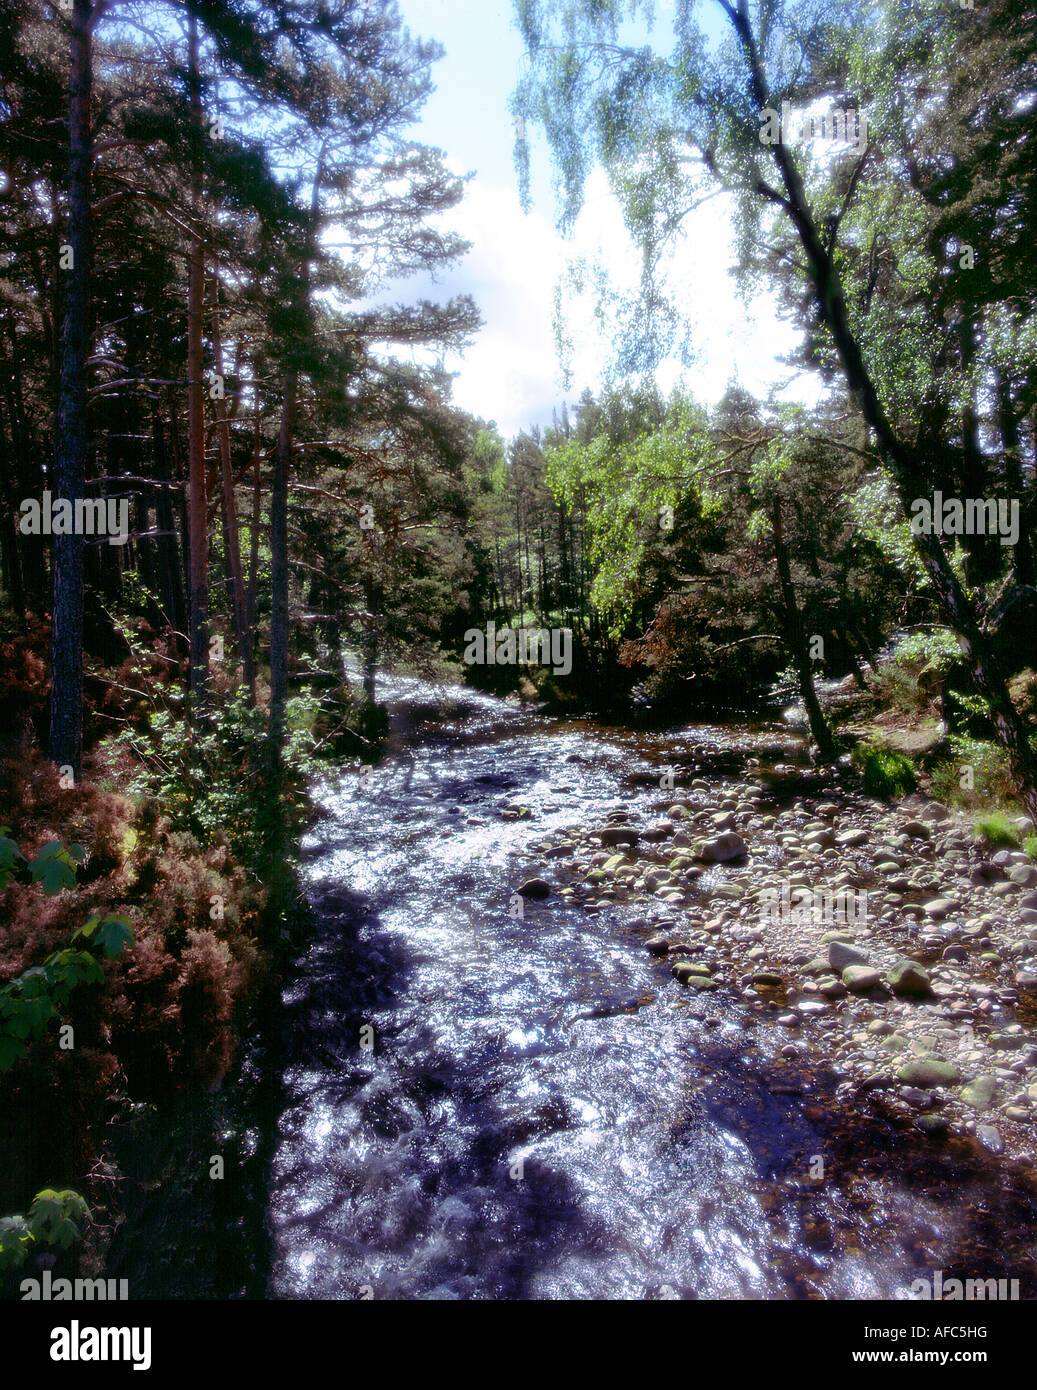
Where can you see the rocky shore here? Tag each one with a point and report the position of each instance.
(898, 950)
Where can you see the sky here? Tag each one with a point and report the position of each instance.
(511, 374)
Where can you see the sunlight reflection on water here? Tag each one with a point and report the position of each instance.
(396, 1167)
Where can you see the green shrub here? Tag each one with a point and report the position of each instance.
(896, 688)
(886, 774)
(1030, 846)
(210, 784)
(166, 1018)
(996, 829)
(30, 1000)
(53, 1219)
(933, 649)
(987, 781)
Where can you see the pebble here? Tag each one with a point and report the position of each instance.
(929, 1071)
(860, 977)
(842, 954)
(907, 978)
(535, 888)
(980, 1092)
(990, 1137)
(973, 911)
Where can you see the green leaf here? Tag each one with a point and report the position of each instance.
(54, 867)
(54, 1217)
(71, 968)
(89, 927)
(36, 1014)
(53, 849)
(115, 934)
(25, 1018)
(31, 983)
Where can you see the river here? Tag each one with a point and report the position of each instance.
(478, 1105)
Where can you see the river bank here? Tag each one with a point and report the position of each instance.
(887, 940)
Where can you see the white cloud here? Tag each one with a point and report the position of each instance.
(511, 373)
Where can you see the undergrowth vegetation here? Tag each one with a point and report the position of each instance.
(134, 951)
(886, 774)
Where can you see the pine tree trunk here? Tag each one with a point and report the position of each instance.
(253, 558)
(198, 554)
(373, 602)
(232, 543)
(279, 527)
(279, 577)
(66, 644)
(170, 565)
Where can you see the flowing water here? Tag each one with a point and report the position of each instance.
(477, 1105)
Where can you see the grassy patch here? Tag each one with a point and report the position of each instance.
(886, 774)
(997, 829)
